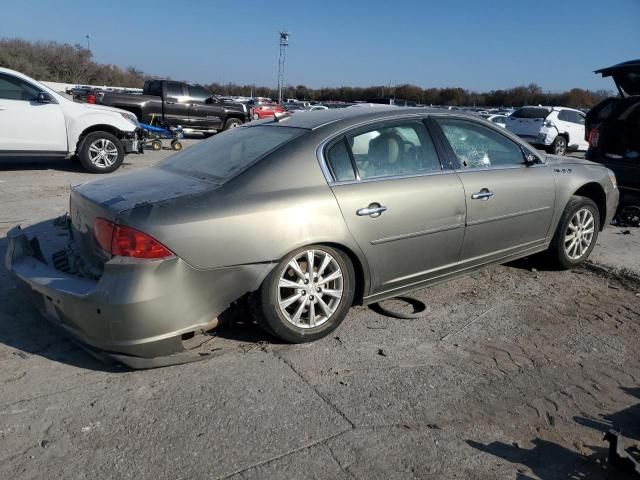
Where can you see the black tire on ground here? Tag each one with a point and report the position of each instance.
(559, 146)
(89, 140)
(176, 145)
(232, 123)
(558, 248)
(270, 317)
(156, 145)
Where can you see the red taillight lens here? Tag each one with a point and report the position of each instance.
(594, 137)
(91, 98)
(127, 242)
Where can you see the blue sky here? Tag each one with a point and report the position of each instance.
(475, 44)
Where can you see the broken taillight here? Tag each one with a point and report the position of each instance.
(594, 137)
(119, 240)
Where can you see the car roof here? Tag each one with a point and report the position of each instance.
(312, 120)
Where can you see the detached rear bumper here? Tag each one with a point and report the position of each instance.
(132, 141)
(138, 310)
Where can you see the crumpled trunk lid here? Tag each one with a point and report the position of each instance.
(109, 197)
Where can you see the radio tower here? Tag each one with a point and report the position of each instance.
(284, 43)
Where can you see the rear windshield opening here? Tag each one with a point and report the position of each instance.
(228, 154)
(531, 112)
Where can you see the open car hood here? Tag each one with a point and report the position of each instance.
(626, 75)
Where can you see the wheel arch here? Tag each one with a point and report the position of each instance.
(98, 128)
(362, 279)
(595, 192)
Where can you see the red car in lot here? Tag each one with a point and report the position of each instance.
(266, 110)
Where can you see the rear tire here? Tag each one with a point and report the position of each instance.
(101, 152)
(559, 146)
(299, 312)
(232, 123)
(576, 234)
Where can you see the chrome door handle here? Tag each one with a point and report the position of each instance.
(483, 194)
(374, 210)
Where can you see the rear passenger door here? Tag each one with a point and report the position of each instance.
(509, 203)
(403, 208)
(176, 104)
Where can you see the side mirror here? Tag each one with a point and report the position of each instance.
(531, 159)
(43, 98)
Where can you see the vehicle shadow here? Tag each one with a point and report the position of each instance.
(40, 163)
(551, 461)
(26, 332)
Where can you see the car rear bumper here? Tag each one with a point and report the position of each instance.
(137, 311)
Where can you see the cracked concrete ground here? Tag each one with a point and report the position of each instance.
(515, 374)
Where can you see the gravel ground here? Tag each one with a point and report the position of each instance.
(515, 373)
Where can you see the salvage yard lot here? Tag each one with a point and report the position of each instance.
(516, 373)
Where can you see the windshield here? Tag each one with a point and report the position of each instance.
(531, 112)
(228, 154)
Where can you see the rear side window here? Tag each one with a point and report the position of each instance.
(340, 162)
(531, 112)
(174, 89)
(155, 88)
(404, 149)
(477, 146)
(229, 153)
(13, 88)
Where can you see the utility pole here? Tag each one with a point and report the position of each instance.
(284, 43)
(88, 37)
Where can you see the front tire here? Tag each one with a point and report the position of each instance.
(576, 234)
(101, 152)
(307, 295)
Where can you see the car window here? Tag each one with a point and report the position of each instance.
(531, 112)
(340, 162)
(565, 115)
(155, 88)
(198, 93)
(229, 153)
(174, 89)
(498, 119)
(477, 146)
(13, 88)
(405, 149)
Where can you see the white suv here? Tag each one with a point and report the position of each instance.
(36, 121)
(555, 129)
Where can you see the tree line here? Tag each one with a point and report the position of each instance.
(62, 62)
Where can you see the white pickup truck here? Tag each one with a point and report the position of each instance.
(36, 121)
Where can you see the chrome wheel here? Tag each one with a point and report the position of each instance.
(579, 234)
(103, 153)
(310, 289)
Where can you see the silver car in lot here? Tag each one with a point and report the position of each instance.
(303, 216)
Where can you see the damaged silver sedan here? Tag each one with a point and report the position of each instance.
(304, 217)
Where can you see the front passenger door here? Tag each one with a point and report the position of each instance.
(509, 203)
(203, 112)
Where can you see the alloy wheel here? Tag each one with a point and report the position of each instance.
(310, 289)
(579, 234)
(561, 146)
(103, 153)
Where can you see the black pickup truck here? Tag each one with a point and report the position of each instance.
(187, 105)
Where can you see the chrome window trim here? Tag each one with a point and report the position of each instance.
(320, 149)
